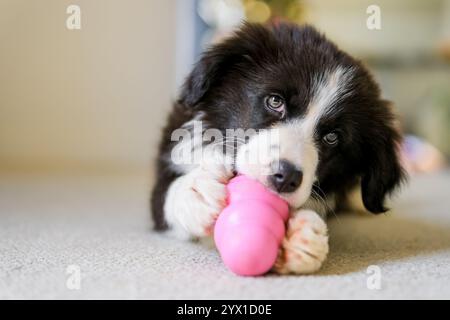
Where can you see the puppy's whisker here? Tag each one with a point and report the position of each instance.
(323, 199)
(228, 142)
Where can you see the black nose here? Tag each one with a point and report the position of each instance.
(286, 177)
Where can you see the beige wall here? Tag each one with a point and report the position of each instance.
(93, 98)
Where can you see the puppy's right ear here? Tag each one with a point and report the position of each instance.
(221, 59)
(207, 72)
(200, 79)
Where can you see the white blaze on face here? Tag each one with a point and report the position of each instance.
(294, 140)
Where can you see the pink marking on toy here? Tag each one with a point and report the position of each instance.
(249, 231)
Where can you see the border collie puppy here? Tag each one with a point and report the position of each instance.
(319, 130)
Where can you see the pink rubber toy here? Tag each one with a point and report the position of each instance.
(249, 231)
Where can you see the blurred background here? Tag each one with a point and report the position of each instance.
(81, 112)
(95, 99)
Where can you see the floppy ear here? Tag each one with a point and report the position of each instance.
(220, 59)
(383, 171)
(205, 72)
(210, 69)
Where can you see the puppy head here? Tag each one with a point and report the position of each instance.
(318, 121)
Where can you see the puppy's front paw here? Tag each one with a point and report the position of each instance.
(194, 202)
(305, 245)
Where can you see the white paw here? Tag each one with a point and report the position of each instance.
(305, 245)
(195, 200)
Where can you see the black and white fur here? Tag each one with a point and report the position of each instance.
(324, 90)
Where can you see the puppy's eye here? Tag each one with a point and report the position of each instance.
(275, 102)
(331, 138)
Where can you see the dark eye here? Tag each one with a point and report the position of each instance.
(275, 102)
(331, 138)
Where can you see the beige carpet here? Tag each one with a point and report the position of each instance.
(101, 225)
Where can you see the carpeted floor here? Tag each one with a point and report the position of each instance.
(101, 225)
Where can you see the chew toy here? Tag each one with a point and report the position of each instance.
(249, 231)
